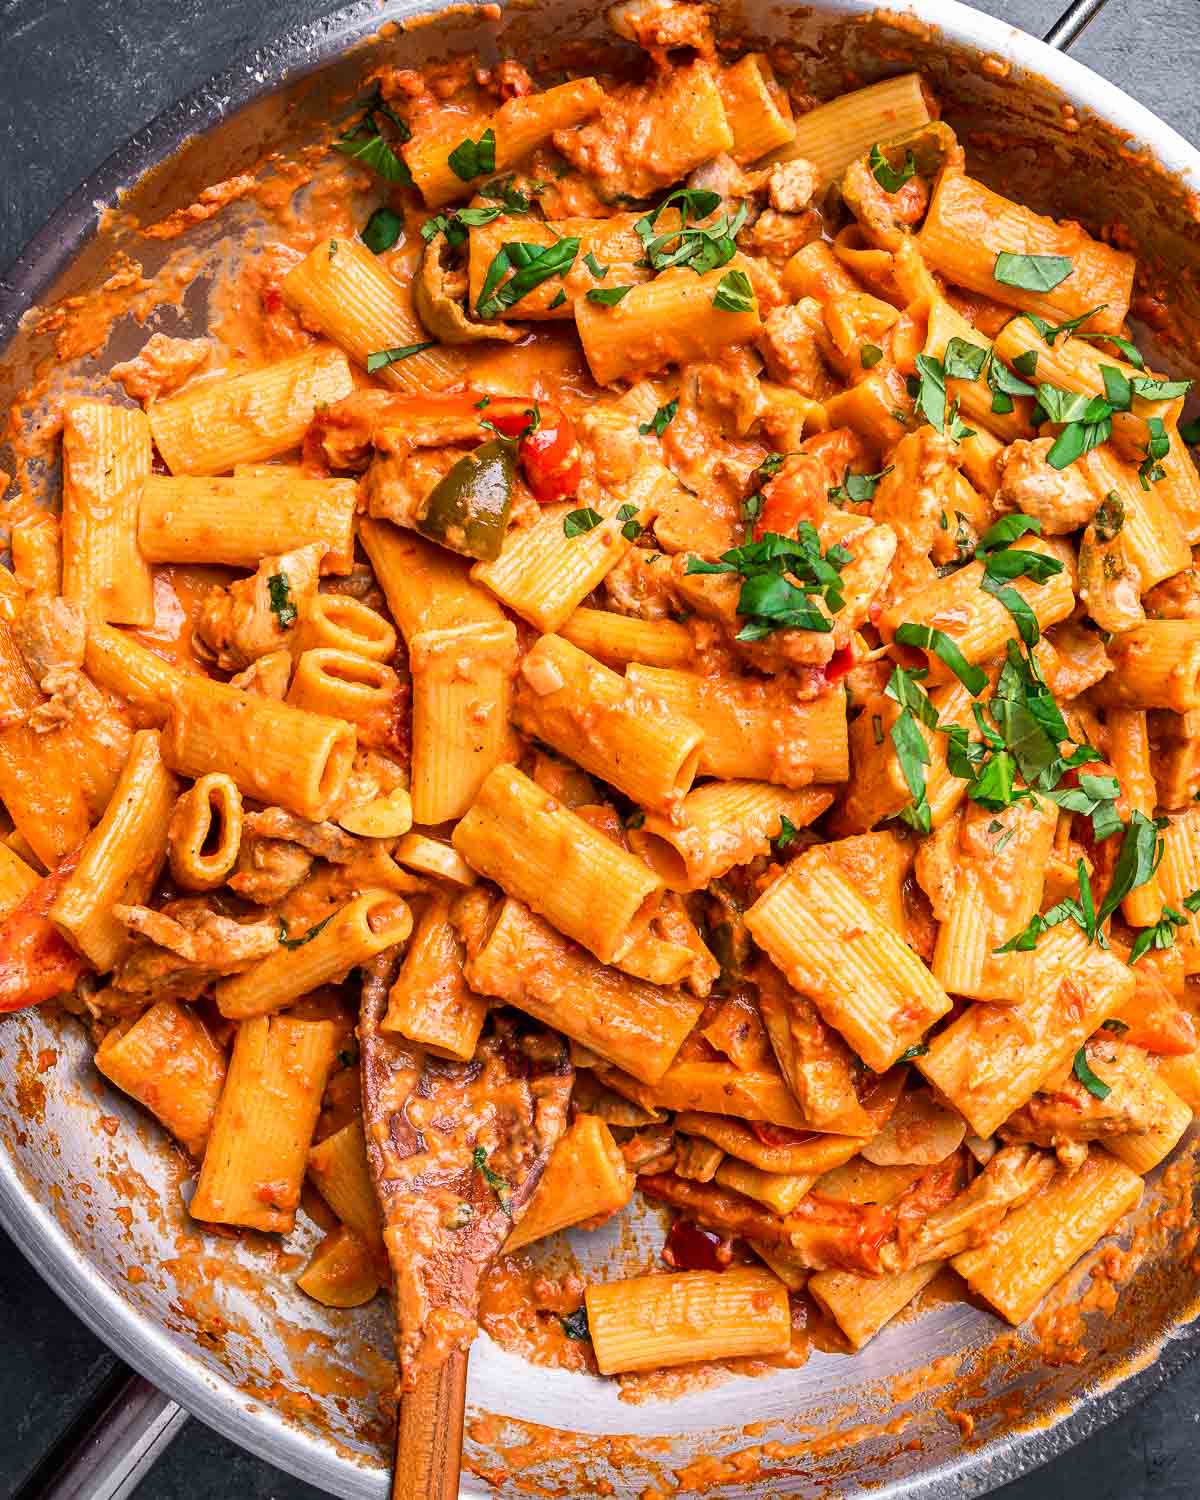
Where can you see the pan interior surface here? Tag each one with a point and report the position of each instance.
(948, 1403)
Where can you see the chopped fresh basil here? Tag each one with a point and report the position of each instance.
(607, 296)
(1095, 1086)
(787, 834)
(559, 299)
(1031, 273)
(869, 356)
(964, 361)
(734, 293)
(594, 266)
(913, 755)
(1081, 911)
(912, 1052)
(1118, 388)
(703, 248)
(383, 230)
(1118, 1028)
(384, 357)
(770, 466)
(530, 266)
(305, 937)
(1161, 935)
(280, 594)
(1004, 385)
(877, 728)
(1109, 517)
(904, 687)
(493, 1179)
(1158, 445)
(366, 144)
(471, 159)
(1141, 851)
(576, 522)
(926, 638)
(1005, 531)
(1159, 390)
(632, 528)
(1051, 331)
(455, 224)
(1094, 797)
(1128, 351)
(856, 487)
(1026, 364)
(503, 191)
(660, 421)
(888, 177)
(769, 601)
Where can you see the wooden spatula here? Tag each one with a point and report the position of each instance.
(456, 1151)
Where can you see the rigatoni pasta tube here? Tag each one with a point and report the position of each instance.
(274, 752)
(349, 294)
(430, 1002)
(363, 692)
(167, 1061)
(545, 855)
(634, 1025)
(993, 1058)
(978, 624)
(720, 1088)
(585, 1178)
(616, 640)
(862, 1305)
(114, 660)
(778, 1191)
(426, 587)
(1038, 1243)
(363, 927)
(840, 131)
(121, 857)
(690, 1316)
(238, 419)
(1151, 538)
(673, 320)
(461, 691)
(606, 724)
(756, 107)
(542, 574)
(719, 825)
(1179, 875)
(258, 1148)
(343, 624)
(756, 730)
(338, 1166)
(519, 125)
(195, 519)
(17, 879)
(612, 242)
(106, 461)
(968, 226)
(1154, 665)
(994, 895)
(205, 833)
(1143, 1150)
(865, 980)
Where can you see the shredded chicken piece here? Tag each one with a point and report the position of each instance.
(641, 585)
(50, 633)
(778, 236)
(1175, 598)
(162, 366)
(791, 345)
(326, 840)
(267, 869)
(73, 697)
(791, 185)
(254, 616)
(268, 677)
(396, 486)
(200, 936)
(1061, 499)
(1065, 1114)
(723, 175)
(659, 26)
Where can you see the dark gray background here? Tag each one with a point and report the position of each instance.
(76, 78)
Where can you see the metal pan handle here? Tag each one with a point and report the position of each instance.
(112, 1445)
(1071, 25)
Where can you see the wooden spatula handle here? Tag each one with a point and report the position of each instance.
(429, 1434)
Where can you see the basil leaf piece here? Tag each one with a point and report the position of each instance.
(493, 1179)
(926, 638)
(918, 1051)
(1158, 445)
(575, 1325)
(632, 529)
(1128, 351)
(607, 296)
(280, 594)
(1159, 390)
(471, 159)
(367, 146)
(559, 299)
(930, 391)
(857, 487)
(1109, 517)
(913, 756)
(1032, 273)
(869, 356)
(383, 230)
(1095, 1086)
(1141, 851)
(1161, 935)
(702, 247)
(1026, 620)
(904, 688)
(576, 522)
(530, 266)
(594, 266)
(1077, 439)
(1006, 531)
(384, 357)
(660, 421)
(305, 937)
(887, 176)
(1017, 562)
(504, 190)
(787, 834)
(1026, 364)
(963, 361)
(734, 293)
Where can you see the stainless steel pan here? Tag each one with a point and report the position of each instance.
(217, 1324)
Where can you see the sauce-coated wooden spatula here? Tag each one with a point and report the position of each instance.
(456, 1151)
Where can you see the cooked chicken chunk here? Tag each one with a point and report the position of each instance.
(1061, 499)
(267, 869)
(200, 936)
(255, 615)
(790, 344)
(162, 366)
(791, 185)
(50, 633)
(325, 840)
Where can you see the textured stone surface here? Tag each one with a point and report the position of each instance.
(77, 77)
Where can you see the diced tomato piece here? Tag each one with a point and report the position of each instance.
(549, 455)
(690, 1248)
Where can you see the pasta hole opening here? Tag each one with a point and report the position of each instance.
(388, 914)
(662, 857)
(349, 672)
(338, 764)
(687, 772)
